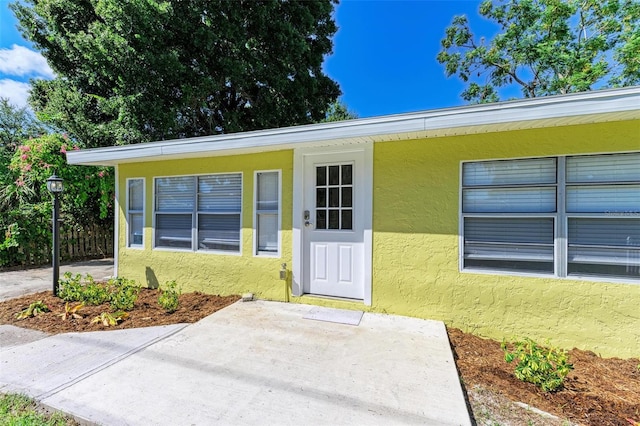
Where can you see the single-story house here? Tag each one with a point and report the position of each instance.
(511, 219)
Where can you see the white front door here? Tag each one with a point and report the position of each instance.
(333, 224)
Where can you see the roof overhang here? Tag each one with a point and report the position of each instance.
(563, 110)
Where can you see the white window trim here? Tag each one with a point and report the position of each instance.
(194, 217)
(256, 251)
(561, 225)
(128, 243)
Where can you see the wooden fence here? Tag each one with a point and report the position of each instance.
(92, 242)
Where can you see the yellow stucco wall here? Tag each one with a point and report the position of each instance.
(415, 243)
(209, 272)
(416, 246)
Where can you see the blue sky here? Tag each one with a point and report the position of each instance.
(383, 57)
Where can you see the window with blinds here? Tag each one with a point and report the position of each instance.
(603, 214)
(267, 213)
(198, 212)
(566, 216)
(135, 212)
(508, 214)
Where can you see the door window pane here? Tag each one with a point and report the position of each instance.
(347, 170)
(334, 175)
(346, 197)
(346, 219)
(334, 197)
(321, 197)
(321, 219)
(334, 219)
(321, 176)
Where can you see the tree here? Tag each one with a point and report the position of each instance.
(546, 47)
(338, 111)
(25, 202)
(16, 124)
(145, 70)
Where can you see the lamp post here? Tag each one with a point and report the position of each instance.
(55, 186)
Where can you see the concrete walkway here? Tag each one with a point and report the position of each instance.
(250, 363)
(26, 281)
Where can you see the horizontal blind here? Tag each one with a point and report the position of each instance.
(510, 172)
(509, 230)
(603, 199)
(175, 194)
(604, 247)
(267, 196)
(618, 232)
(509, 239)
(173, 230)
(136, 194)
(219, 231)
(220, 193)
(604, 168)
(509, 200)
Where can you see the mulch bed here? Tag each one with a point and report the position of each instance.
(193, 307)
(598, 391)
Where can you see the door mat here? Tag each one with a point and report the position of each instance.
(339, 316)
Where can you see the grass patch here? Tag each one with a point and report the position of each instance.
(16, 409)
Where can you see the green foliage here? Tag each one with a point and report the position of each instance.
(18, 409)
(544, 367)
(16, 125)
(338, 111)
(169, 298)
(70, 287)
(136, 71)
(110, 319)
(95, 293)
(34, 309)
(546, 47)
(26, 202)
(123, 294)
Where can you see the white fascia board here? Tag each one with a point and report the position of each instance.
(551, 107)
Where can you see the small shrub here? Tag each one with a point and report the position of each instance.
(71, 312)
(70, 287)
(544, 367)
(169, 298)
(94, 294)
(123, 294)
(36, 308)
(107, 319)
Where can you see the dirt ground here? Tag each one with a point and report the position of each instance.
(599, 391)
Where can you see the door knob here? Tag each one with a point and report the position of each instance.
(307, 223)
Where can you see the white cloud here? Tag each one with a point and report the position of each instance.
(16, 91)
(20, 61)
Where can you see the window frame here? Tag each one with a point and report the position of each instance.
(130, 212)
(195, 213)
(256, 212)
(561, 225)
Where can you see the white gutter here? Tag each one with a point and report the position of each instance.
(369, 129)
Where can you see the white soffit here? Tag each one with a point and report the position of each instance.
(551, 111)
